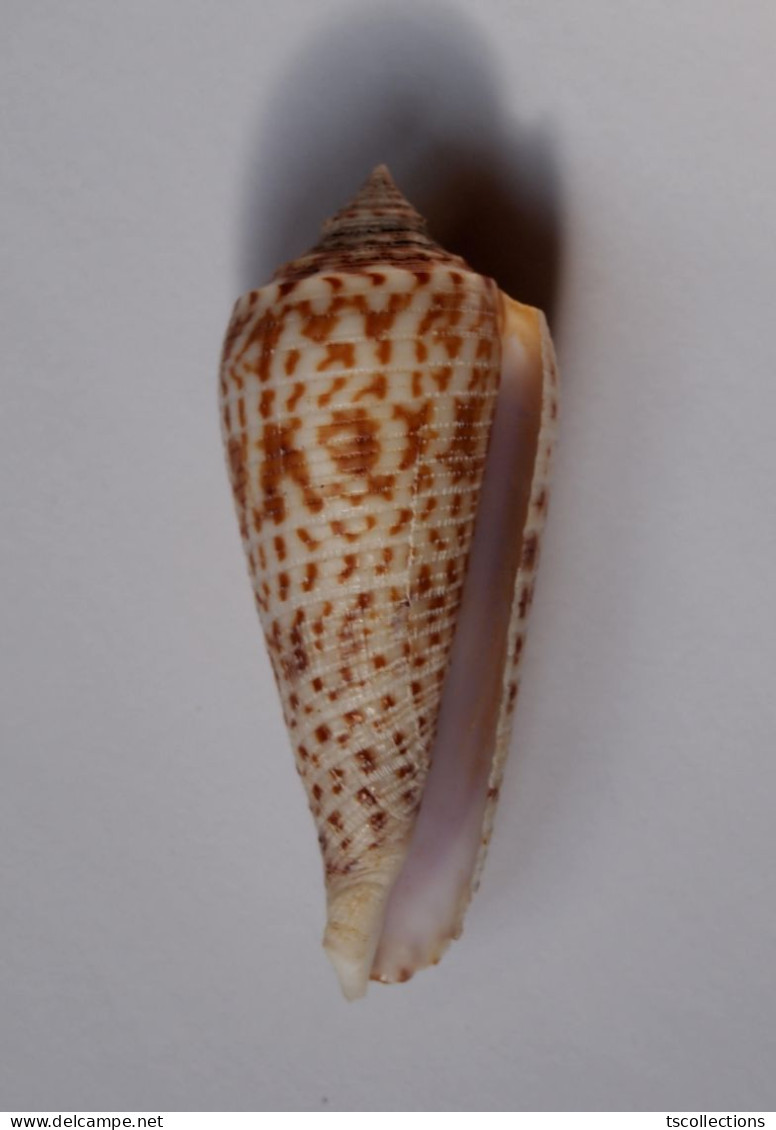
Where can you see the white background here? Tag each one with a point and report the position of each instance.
(161, 894)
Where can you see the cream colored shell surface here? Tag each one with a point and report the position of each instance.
(356, 410)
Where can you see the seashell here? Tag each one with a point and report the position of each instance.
(382, 404)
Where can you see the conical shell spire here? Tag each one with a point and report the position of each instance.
(377, 213)
(379, 227)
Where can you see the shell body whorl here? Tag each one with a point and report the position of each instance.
(358, 391)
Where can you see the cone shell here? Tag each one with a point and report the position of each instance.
(357, 394)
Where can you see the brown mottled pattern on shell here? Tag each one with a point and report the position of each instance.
(356, 413)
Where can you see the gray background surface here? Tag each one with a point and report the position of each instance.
(161, 899)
